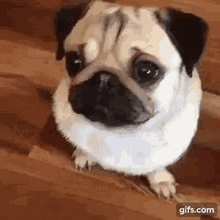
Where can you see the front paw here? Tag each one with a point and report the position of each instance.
(82, 159)
(162, 183)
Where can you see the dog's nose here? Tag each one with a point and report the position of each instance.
(107, 80)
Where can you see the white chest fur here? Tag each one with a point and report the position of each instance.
(156, 144)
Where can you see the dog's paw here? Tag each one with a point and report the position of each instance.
(162, 183)
(82, 159)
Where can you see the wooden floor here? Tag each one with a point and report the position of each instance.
(36, 178)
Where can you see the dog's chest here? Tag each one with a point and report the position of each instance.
(154, 145)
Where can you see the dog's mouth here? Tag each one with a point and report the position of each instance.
(110, 118)
(108, 102)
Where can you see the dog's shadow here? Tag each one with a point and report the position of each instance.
(51, 136)
(25, 107)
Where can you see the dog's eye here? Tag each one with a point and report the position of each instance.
(74, 63)
(145, 71)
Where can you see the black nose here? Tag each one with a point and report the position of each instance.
(107, 81)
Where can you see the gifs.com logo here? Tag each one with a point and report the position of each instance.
(196, 209)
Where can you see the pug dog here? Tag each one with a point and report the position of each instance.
(130, 97)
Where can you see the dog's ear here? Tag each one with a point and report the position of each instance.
(64, 21)
(187, 32)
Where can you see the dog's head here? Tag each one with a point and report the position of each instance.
(126, 65)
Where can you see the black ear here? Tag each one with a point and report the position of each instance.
(64, 21)
(187, 32)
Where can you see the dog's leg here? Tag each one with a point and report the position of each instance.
(162, 183)
(82, 158)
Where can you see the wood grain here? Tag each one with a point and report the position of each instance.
(36, 176)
